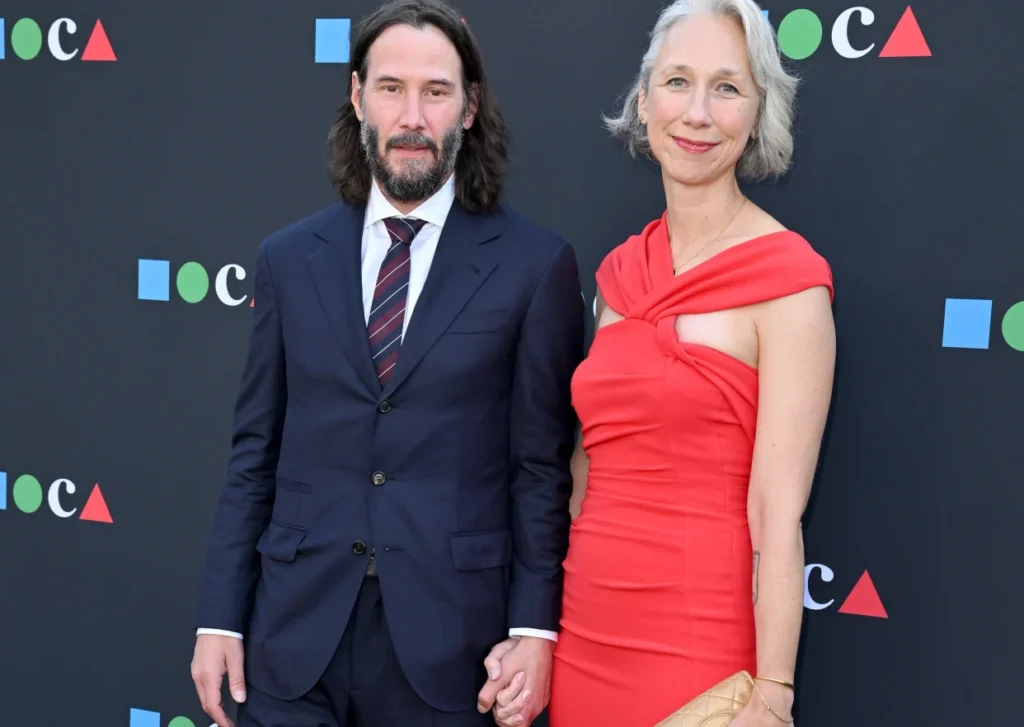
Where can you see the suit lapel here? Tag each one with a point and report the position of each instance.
(336, 271)
(459, 268)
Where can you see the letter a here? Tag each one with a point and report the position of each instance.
(96, 507)
(98, 48)
(863, 600)
(907, 40)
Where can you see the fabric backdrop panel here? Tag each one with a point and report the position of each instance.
(136, 191)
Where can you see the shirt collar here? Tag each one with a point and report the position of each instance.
(433, 210)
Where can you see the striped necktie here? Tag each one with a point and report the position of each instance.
(387, 311)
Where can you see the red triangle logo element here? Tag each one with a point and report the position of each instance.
(863, 600)
(98, 48)
(907, 40)
(96, 508)
(252, 303)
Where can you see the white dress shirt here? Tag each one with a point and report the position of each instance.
(376, 242)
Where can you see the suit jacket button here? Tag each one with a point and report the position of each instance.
(384, 407)
(359, 547)
(378, 478)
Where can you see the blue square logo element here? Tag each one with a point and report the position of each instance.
(3, 39)
(3, 490)
(332, 39)
(967, 323)
(143, 718)
(154, 279)
(765, 14)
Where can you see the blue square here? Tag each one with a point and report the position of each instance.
(967, 324)
(765, 14)
(3, 39)
(154, 280)
(3, 490)
(143, 718)
(332, 39)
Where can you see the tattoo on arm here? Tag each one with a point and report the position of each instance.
(757, 561)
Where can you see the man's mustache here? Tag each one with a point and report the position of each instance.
(411, 140)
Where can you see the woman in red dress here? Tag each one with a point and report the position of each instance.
(702, 400)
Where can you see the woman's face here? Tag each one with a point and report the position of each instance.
(701, 104)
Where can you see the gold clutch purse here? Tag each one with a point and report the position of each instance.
(716, 707)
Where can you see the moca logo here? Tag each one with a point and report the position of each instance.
(800, 33)
(146, 718)
(27, 494)
(27, 41)
(192, 282)
(863, 600)
(967, 323)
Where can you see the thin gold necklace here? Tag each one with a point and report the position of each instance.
(677, 268)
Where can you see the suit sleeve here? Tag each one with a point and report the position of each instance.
(543, 429)
(246, 501)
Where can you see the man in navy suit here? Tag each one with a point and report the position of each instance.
(397, 496)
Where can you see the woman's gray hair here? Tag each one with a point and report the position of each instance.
(768, 154)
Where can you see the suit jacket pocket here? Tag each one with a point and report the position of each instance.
(287, 483)
(280, 542)
(481, 321)
(482, 549)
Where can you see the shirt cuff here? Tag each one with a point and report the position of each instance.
(217, 632)
(550, 635)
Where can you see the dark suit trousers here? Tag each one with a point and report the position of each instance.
(363, 686)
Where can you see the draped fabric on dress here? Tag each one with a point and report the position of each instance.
(657, 604)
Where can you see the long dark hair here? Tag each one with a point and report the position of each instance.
(480, 167)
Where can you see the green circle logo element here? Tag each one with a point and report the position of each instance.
(1013, 326)
(193, 283)
(799, 34)
(181, 722)
(26, 39)
(28, 493)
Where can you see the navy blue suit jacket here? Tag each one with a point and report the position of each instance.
(456, 474)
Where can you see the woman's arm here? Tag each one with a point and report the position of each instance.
(796, 360)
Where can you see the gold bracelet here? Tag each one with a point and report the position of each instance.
(767, 706)
(777, 681)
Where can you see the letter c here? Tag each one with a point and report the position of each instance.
(826, 575)
(53, 39)
(841, 32)
(221, 284)
(53, 497)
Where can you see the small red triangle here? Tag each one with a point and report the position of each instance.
(907, 40)
(98, 48)
(252, 303)
(96, 508)
(863, 600)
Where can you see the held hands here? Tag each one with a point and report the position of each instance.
(519, 680)
(215, 656)
(757, 713)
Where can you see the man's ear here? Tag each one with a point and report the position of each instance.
(357, 94)
(472, 106)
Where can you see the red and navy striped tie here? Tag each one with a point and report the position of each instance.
(387, 311)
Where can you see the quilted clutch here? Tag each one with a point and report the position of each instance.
(716, 707)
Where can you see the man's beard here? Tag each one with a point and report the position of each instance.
(418, 179)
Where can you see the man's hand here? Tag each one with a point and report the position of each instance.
(214, 656)
(519, 680)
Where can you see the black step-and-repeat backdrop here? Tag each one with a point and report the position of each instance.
(146, 148)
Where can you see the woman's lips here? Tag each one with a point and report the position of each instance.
(693, 146)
